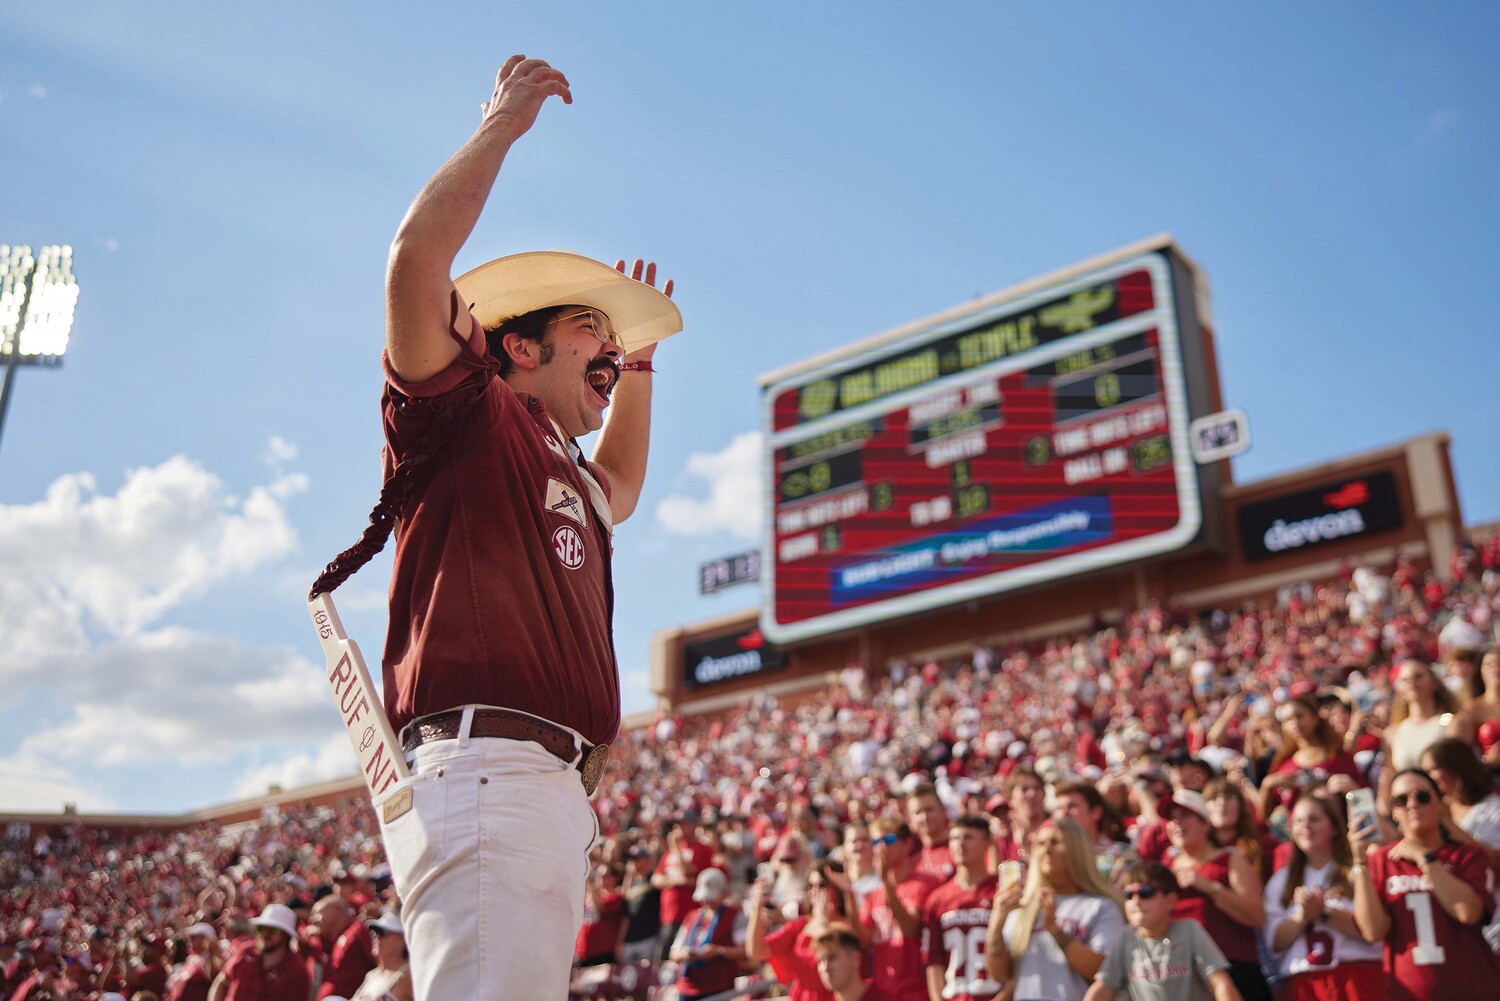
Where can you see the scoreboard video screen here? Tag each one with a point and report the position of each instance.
(1039, 435)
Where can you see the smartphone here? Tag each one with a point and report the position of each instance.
(1010, 874)
(1361, 804)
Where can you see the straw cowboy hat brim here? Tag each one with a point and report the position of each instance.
(520, 283)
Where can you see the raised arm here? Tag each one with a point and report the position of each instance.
(419, 283)
(624, 440)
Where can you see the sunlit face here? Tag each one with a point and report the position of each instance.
(1312, 831)
(1301, 722)
(1075, 807)
(1489, 670)
(1028, 796)
(857, 845)
(927, 817)
(1185, 828)
(1223, 809)
(838, 968)
(968, 846)
(1143, 911)
(1446, 783)
(576, 372)
(1415, 681)
(1049, 851)
(1413, 816)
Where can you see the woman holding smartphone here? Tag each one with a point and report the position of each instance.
(1427, 897)
(1050, 936)
(1310, 923)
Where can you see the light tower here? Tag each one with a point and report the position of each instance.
(37, 299)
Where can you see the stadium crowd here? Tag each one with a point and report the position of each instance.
(1159, 804)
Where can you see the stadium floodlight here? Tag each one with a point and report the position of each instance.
(38, 295)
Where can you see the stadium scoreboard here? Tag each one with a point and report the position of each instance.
(1035, 435)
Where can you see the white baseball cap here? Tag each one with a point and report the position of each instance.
(389, 922)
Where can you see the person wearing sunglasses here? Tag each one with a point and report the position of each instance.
(890, 919)
(499, 663)
(1158, 957)
(1427, 897)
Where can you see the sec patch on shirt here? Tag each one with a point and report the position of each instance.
(568, 545)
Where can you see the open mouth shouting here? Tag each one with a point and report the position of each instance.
(601, 378)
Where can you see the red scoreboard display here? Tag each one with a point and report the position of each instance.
(1036, 435)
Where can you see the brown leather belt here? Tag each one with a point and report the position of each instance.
(512, 726)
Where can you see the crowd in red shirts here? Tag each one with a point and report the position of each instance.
(1181, 735)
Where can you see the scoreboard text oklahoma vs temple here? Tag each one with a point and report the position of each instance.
(1033, 436)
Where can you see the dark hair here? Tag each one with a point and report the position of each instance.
(1151, 873)
(973, 822)
(924, 789)
(837, 936)
(1458, 759)
(530, 326)
(1014, 779)
(1246, 829)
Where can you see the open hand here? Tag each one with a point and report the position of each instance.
(643, 271)
(520, 88)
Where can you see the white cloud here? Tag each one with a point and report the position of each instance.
(79, 561)
(181, 696)
(733, 503)
(37, 91)
(279, 452)
(29, 781)
(333, 759)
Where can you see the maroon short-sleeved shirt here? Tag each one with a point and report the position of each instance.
(501, 591)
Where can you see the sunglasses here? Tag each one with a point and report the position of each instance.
(1140, 892)
(599, 324)
(1418, 797)
(885, 839)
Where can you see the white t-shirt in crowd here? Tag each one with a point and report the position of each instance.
(1322, 946)
(1045, 974)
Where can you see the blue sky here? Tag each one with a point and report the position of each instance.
(810, 175)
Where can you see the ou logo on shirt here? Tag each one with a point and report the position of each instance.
(569, 547)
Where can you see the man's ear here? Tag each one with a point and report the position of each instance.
(524, 353)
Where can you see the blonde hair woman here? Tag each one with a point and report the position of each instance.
(1051, 933)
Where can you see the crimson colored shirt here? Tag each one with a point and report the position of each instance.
(702, 977)
(937, 861)
(676, 901)
(601, 928)
(957, 924)
(249, 980)
(795, 963)
(1341, 763)
(351, 958)
(501, 592)
(1428, 954)
(895, 959)
(1235, 940)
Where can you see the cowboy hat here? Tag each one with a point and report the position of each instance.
(520, 283)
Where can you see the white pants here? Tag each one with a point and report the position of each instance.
(490, 863)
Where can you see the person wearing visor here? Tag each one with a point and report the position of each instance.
(499, 667)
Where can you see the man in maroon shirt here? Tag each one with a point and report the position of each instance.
(499, 665)
(677, 874)
(929, 818)
(890, 919)
(271, 970)
(350, 951)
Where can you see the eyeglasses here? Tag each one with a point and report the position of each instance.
(885, 839)
(598, 324)
(1140, 892)
(1417, 797)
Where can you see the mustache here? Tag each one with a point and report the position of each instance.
(606, 365)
